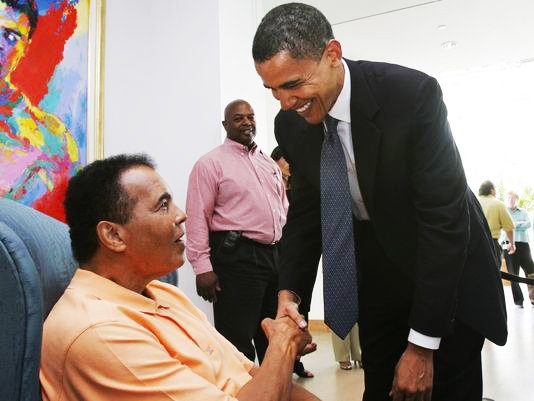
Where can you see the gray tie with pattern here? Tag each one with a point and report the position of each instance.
(339, 262)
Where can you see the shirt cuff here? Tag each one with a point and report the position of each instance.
(424, 341)
(202, 266)
(297, 300)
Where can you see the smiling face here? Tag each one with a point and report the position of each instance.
(14, 38)
(239, 123)
(308, 86)
(153, 234)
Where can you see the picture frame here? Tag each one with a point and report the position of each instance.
(51, 97)
(95, 129)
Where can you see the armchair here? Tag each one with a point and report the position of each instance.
(36, 265)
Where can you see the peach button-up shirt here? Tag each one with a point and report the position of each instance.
(102, 341)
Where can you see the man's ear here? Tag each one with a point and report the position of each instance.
(333, 52)
(225, 124)
(111, 236)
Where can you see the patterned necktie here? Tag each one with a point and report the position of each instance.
(339, 262)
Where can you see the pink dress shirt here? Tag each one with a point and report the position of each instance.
(233, 188)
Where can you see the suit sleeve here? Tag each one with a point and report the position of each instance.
(300, 249)
(440, 199)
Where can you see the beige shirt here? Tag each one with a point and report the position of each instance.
(496, 214)
(104, 342)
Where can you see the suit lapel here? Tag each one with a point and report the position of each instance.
(310, 141)
(302, 143)
(365, 134)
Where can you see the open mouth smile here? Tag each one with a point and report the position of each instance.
(304, 108)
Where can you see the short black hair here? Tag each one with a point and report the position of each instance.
(26, 7)
(231, 105)
(300, 29)
(94, 194)
(485, 188)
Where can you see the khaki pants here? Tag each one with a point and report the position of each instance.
(348, 349)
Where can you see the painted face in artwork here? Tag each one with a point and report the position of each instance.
(308, 86)
(14, 38)
(239, 124)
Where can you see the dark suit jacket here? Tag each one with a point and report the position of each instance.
(424, 215)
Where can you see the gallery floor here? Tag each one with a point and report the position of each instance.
(508, 370)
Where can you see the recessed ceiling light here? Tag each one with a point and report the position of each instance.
(442, 27)
(449, 44)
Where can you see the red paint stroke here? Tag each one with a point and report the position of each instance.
(45, 52)
(51, 203)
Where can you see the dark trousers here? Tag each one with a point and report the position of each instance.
(248, 278)
(385, 296)
(520, 259)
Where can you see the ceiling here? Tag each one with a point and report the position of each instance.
(486, 32)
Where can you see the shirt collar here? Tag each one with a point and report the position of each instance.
(341, 108)
(102, 288)
(237, 146)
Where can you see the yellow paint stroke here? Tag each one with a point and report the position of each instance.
(82, 10)
(43, 175)
(28, 129)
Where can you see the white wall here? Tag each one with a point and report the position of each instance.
(162, 89)
(170, 68)
(238, 20)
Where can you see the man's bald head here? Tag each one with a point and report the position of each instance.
(239, 122)
(230, 107)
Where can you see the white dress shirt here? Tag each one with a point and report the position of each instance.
(341, 111)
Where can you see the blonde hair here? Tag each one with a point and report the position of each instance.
(513, 194)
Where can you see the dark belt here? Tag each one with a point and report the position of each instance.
(243, 239)
(259, 244)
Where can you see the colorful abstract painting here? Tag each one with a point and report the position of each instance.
(43, 99)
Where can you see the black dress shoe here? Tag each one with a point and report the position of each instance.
(300, 371)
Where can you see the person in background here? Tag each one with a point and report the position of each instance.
(117, 333)
(497, 216)
(348, 349)
(277, 156)
(420, 278)
(531, 289)
(236, 207)
(521, 258)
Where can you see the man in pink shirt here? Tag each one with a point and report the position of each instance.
(236, 207)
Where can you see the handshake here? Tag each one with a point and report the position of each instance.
(289, 331)
(284, 334)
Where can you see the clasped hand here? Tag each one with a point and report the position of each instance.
(290, 309)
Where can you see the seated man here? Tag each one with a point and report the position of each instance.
(118, 335)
